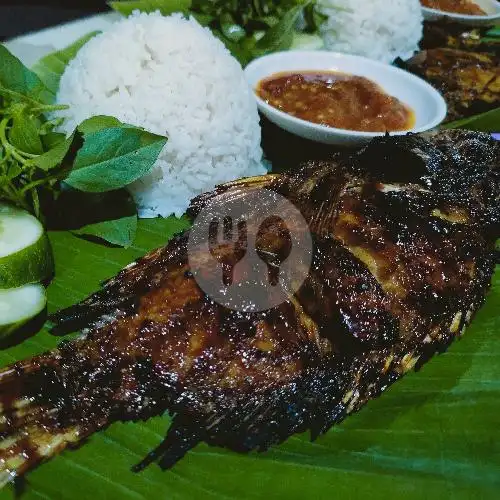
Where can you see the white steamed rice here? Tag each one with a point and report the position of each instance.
(378, 29)
(172, 77)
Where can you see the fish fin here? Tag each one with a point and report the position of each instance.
(183, 435)
(120, 296)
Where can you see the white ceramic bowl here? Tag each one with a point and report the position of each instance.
(427, 103)
(492, 7)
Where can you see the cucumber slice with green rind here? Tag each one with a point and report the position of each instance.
(20, 305)
(25, 252)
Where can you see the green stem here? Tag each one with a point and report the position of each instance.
(49, 107)
(20, 156)
(39, 182)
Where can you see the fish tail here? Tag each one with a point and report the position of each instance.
(35, 417)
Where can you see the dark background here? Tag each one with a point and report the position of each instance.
(17, 18)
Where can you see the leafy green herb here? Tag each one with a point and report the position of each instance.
(39, 165)
(55, 156)
(50, 68)
(98, 123)
(22, 123)
(113, 157)
(484, 122)
(17, 79)
(120, 232)
(166, 7)
(280, 36)
(24, 131)
(230, 29)
(248, 28)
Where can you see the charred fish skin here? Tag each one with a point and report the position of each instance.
(469, 81)
(400, 266)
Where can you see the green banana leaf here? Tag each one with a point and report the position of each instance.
(435, 434)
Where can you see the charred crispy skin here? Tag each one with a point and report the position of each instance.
(445, 33)
(404, 235)
(469, 81)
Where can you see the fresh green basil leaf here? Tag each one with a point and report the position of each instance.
(119, 232)
(52, 139)
(203, 19)
(166, 7)
(16, 77)
(13, 171)
(60, 156)
(112, 158)
(99, 122)
(23, 134)
(280, 36)
(50, 68)
(484, 122)
(230, 29)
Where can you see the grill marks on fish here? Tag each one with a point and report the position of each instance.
(400, 266)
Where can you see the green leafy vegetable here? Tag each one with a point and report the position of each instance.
(55, 156)
(280, 36)
(15, 77)
(166, 7)
(248, 28)
(24, 131)
(120, 232)
(484, 122)
(38, 163)
(98, 123)
(50, 68)
(230, 29)
(114, 157)
(432, 435)
(109, 216)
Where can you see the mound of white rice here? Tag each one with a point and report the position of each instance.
(378, 29)
(172, 77)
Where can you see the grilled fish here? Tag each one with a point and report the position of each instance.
(445, 33)
(403, 237)
(469, 81)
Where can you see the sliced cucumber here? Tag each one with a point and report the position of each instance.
(25, 253)
(19, 305)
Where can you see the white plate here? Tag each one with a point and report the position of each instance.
(427, 103)
(492, 7)
(31, 47)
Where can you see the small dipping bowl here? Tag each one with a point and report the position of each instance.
(425, 101)
(491, 7)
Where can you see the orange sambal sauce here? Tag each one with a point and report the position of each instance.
(467, 7)
(336, 100)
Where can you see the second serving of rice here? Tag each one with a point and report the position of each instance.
(378, 29)
(172, 77)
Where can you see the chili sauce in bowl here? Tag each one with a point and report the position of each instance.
(342, 99)
(469, 12)
(468, 7)
(337, 100)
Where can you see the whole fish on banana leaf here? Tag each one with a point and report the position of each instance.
(403, 238)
